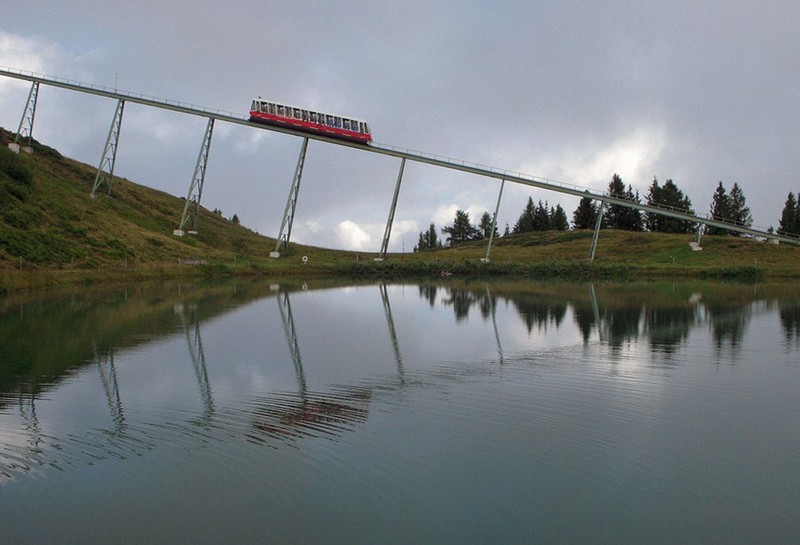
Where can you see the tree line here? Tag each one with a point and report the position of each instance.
(728, 206)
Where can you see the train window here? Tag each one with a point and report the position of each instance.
(305, 115)
(281, 110)
(329, 120)
(272, 109)
(338, 122)
(346, 124)
(313, 117)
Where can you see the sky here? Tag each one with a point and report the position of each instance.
(696, 91)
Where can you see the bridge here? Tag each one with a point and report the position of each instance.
(105, 169)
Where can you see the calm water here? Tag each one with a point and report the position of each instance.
(402, 413)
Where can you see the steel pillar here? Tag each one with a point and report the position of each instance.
(597, 225)
(109, 151)
(388, 231)
(25, 129)
(191, 209)
(494, 222)
(285, 232)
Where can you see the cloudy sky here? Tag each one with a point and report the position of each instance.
(696, 91)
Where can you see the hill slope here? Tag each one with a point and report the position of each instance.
(49, 223)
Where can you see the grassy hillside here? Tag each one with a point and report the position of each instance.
(53, 232)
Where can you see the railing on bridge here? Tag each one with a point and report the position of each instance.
(404, 154)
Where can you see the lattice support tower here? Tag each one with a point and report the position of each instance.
(387, 233)
(285, 232)
(191, 209)
(109, 151)
(25, 129)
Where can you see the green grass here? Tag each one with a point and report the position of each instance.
(52, 232)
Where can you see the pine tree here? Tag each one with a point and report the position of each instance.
(541, 217)
(740, 213)
(428, 240)
(731, 208)
(485, 225)
(790, 217)
(670, 197)
(461, 230)
(618, 216)
(525, 222)
(558, 219)
(585, 216)
(720, 210)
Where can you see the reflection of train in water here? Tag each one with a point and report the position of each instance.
(334, 126)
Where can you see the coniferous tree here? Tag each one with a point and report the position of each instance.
(731, 208)
(461, 230)
(585, 216)
(740, 213)
(615, 215)
(558, 219)
(525, 222)
(720, 210)
(618, 216)
(485, 225)
(541, 217)
(428, 240)
(790, 217)
(670, 197)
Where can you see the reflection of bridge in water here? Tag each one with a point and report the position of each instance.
(279, 417)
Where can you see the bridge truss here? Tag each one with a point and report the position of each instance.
(195, 190)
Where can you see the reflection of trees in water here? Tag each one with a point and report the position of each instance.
(621, 322)
(789, 312)
(663, 318)
(540, 312)
(668, 327)
(728, 322)
(428, 292)
(461, 301)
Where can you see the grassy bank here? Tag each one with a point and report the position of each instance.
(53, 233)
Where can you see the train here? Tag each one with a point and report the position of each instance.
(311, 121)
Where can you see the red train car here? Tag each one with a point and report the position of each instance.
(324, 124)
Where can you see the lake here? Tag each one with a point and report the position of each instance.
(451, 412)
